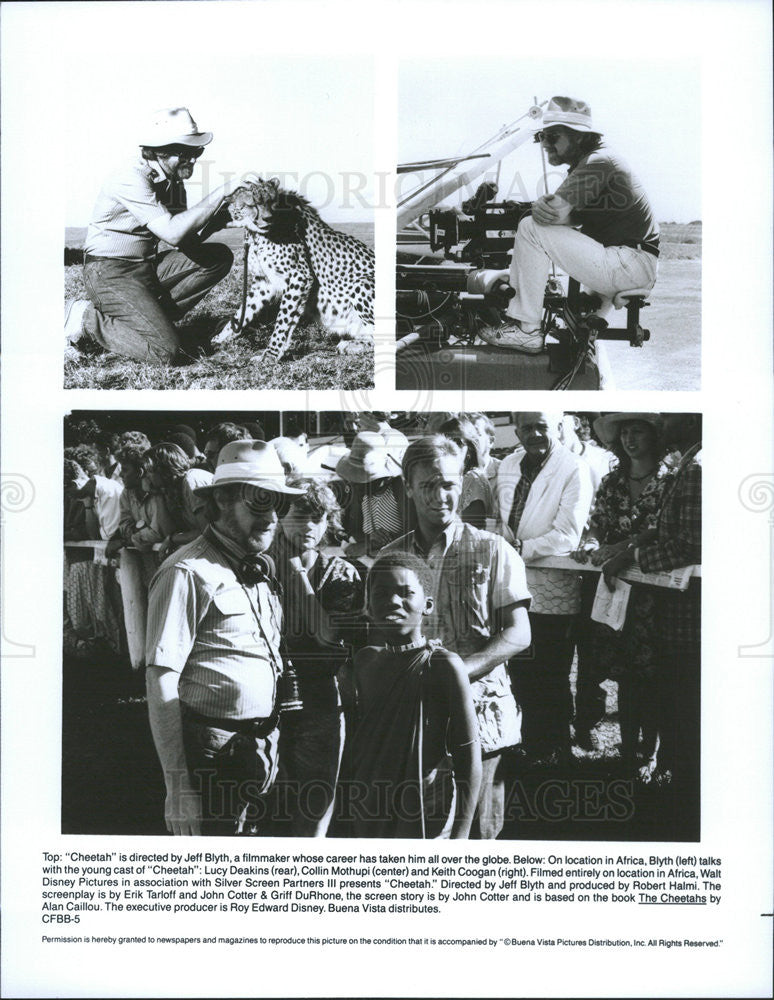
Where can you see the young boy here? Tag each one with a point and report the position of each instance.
(415, 755)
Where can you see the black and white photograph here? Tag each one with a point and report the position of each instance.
(224, 242)
(297, 542)
(549, 224)
(389, 624)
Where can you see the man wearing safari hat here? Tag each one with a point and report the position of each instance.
(135, 294)
(213, 652)
(598, 227)
(376, 511)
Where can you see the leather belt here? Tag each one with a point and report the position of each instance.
(248, 727)
(91, 259)
(651, 248)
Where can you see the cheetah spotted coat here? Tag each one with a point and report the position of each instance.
(294, 256)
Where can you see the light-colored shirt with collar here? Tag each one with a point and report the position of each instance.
(221, 636)
(134, 195)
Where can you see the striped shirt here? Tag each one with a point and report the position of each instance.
(381, 511)
(133, 196)
(222, 637)
(529, 473)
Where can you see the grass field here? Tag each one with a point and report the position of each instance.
(313, 363)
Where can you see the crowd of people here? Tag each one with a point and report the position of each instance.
(345, 640)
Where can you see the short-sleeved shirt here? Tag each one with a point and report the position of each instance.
(475, 574)
(107, 505)
(221, 636)
(609, 202)
(476, 486)
(133, 196)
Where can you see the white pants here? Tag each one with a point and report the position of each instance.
(605, 270)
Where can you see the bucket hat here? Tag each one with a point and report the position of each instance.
(567, 111)
(368, 459)
(173, 126)
(254, 463)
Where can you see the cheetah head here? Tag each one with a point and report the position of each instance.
(254, 204)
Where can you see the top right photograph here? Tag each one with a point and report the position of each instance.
(549, 231)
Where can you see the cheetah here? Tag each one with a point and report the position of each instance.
(294, 256)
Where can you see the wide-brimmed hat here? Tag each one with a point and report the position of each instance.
(173, 126)
(254, 463)
(291, 454)
(575, 115)
(607, 427)
(368, 459)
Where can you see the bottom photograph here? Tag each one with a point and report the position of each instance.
(382, 624)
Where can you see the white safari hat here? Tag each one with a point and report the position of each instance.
(254, 463)
(607, 428)
(368, 460)
(174, 126)
(575, 115)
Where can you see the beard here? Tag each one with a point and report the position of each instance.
(254, 536)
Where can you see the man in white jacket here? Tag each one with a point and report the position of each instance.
(544, 496)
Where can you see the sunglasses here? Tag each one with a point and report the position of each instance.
(548, 137)
(183, 152)
(261, 501)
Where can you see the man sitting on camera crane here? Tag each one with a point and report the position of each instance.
(598, 227)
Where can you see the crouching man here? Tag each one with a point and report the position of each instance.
(135, 293)
(213, 652)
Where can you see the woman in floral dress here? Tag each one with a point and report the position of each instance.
(625, 513)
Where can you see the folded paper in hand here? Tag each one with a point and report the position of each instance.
(610, 605)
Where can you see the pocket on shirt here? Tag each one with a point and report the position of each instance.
(468, 614)
(233, 617)
(231, 602)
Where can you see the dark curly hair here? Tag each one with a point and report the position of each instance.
(133, 439)
(86, 456)
(587, 142)
(318, 500)
(402, 560)
(136, 456)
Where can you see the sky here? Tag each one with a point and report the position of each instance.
(299, 113)
(649, 112)
(279, 103)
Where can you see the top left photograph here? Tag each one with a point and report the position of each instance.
(219, 227)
